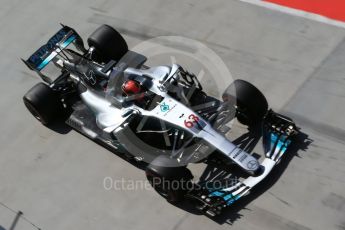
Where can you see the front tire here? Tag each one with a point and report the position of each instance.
(43, 103)
(251, 104)
(172, 183)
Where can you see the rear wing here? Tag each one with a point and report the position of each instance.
(59, 41)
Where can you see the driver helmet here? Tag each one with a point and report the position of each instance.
(131, 87)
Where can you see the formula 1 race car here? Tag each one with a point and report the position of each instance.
(158, 115)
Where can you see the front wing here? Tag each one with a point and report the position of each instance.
(278, 132)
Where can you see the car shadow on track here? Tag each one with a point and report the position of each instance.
(248, 141)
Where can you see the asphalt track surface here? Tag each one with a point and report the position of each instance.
(56, 179)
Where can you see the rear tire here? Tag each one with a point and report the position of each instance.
(43, 103)
(251, 104)
(172, 183)
(108, 43)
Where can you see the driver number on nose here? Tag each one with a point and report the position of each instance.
(192, 119)
(194, 123)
